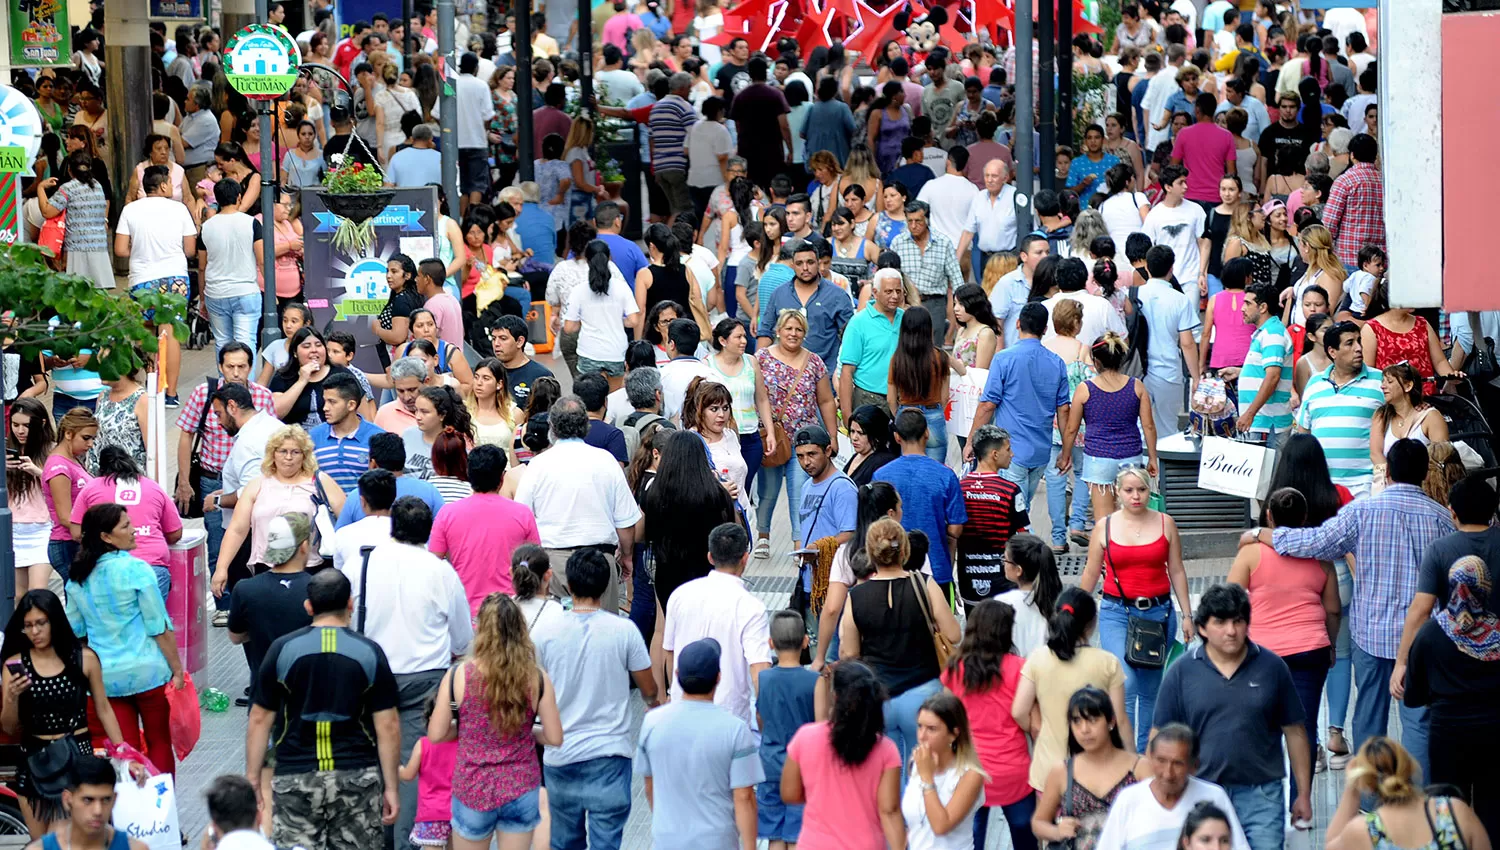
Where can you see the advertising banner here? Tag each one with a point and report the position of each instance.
(348, 292)
(39, 34)
(177, 10)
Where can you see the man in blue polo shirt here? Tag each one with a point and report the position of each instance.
(869, 341)
(931, 499)
(625, 254)
(1240, 701)
(342, 442)
(388, 452)
(1027, 386)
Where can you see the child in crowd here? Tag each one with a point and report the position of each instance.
(1361, 284)
(341, 350)
(294, 317)
(431, 765)
(784, 704)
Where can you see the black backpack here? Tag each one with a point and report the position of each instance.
(1138, 335)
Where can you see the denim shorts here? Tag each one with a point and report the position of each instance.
(172, 285)
(522, 814)
(610, 368)
(1102, 470)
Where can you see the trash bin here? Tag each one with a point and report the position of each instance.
(1195, 509)
(188, 562)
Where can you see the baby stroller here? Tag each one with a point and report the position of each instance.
(200, 334)
(1466, 423)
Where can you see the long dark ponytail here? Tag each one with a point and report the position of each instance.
(115, 462)
(1038, 566)
(597, 256)
(1069, 622)
(97, 522)
(660, 237)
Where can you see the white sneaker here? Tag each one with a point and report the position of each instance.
(221, 619)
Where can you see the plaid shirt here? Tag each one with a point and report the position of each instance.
(935, 271)
(214, 449)
(1388, 534)
(1355, 214)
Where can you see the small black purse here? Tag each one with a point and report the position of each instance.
(1146, 641)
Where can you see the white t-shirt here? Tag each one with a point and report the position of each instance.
(949, 197)
(1098, 316)
(1122, 216)
(589, 657)
(1138, 822)
(1179, 228)
(1359, 286)
(919, 834)
(1030, 629)
(601, 336)
(229, 238)
(721, 607)
(475, 109)
(675, 377)
(618, 84)
(706, 140)
(156, 227)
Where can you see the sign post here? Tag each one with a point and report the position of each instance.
(20, 140)
(261, 62)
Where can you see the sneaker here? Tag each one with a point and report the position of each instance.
(1338, 761)
(171, 402)
(1321, 764)
(1080, 537)
(762, 549)
(221, 619)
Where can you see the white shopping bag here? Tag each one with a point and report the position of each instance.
(1235, 468)
(964, 392)
(148, 813)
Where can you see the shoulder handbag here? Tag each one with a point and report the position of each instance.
(940, 643)
(364, 587)
(1146, 641)
(1482, 366)
(1065, 810)
(195, 467)
(323, 519)
(783, 453)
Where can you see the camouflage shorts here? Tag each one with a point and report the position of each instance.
(328, 810)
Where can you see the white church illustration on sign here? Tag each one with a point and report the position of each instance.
(260, 56)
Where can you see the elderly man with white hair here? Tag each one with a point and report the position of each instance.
(991, 227)
(408, 375)
(671, 119)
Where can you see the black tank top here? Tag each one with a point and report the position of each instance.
(53, 705)
(1122, 95)
(667, 285)
(893, 635)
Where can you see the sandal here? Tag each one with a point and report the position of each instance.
(762, 549)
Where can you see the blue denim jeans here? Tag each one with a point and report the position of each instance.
(233, 319)
(1057, 497)
(163, 581)
(1140, 685)
(61, 404)
(1341, 676)
(590, 802)
(937, 431)
(768, 484)
(1025, 477)
(1017, 821)
(901, 720)
(1372, 708)
(60, 554)
(1262, 813)
(213, 524)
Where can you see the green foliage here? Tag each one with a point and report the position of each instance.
(356, 178)
(1109, 18)
(108, 324)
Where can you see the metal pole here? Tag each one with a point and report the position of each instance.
(1065, 74)
(7, 530)
(408, 46)
(448, 106)
(521, 46)
(1046, 102)
(1024, 103)
(270, 326)
(586, 55)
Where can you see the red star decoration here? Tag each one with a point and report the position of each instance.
(814, 30)
(877, 27)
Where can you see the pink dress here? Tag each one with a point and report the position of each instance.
(1231, 340)
(492, 769)
(433, 823)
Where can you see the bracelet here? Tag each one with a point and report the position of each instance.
(928, 786)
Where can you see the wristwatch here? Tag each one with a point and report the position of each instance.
(927, 786)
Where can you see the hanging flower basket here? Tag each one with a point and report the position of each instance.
(357, 208)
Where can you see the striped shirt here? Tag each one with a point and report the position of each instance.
(1339, 417)
(1269, 346)
(345, 459)
(671, 118)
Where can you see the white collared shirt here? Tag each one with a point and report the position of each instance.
(347, 541)
(993, 220)
(1098, 316)
(721, 607)
(416, 610)
(578, 495)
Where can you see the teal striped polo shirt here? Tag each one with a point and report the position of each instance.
(1339, 417)
(1270, 346)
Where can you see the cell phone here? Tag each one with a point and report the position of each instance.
(13, 452)
(15, 667)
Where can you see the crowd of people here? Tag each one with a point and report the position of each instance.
(456, 576)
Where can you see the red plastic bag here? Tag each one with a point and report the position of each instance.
(187, 723)
(51, 235)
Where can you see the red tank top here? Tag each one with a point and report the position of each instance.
(1140, 570)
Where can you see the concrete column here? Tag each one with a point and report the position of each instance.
(237, 14)
(127, 55)
(1411, 148)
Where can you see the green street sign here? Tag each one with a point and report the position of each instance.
(261, 61)
(12, 159)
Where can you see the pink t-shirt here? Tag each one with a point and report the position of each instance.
(449, 315)
(616, 27)
(477, 534)
(151, 510)
(1206, 150)
(77, 477)
(999, 742)
(842, 812)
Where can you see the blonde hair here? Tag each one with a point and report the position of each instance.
(886, 543)
(75, 420)
(505, 659)
(1067, 317)
(791, 316)
(1444, 469)
(1188, 72)
(644, 41)
(581, 134)
(1242, 227)
(1319, 244)
(860, 168)
(304, 442)
(1385, 769)
(1136, 472)
(999, 266)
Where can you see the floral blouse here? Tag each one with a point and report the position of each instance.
(505, 123)
(793, 394)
